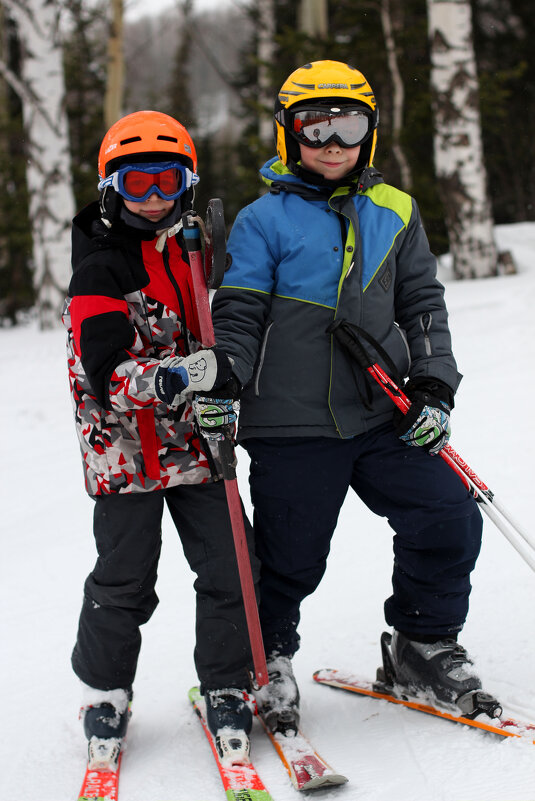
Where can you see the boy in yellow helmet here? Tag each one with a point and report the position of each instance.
(332, 243)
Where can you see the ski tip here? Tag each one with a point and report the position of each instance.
(194, 694)
(318, 675)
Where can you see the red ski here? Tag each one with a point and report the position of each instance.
(307, 770)
(240, 782)
(505, 726)
(101, 785)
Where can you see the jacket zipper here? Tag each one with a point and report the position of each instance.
(425, 321)
(344, 231)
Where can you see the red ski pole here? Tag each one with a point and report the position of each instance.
(228, 459)
(347, 338)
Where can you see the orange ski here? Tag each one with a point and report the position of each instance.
(504, 725)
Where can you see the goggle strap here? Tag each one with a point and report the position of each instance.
(105, 182)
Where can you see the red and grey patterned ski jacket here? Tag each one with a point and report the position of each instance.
(130, 306)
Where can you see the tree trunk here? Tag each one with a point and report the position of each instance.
(4, 139)
(266, 50)
(457, 140)
(313, 18)
(398, 96)
(113, 102)
(48, 174)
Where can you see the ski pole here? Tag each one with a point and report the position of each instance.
(228, 458)
(503, 520)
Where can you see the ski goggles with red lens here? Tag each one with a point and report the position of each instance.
(317, 126)
(137, 182)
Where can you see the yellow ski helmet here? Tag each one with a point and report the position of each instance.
(316, 85)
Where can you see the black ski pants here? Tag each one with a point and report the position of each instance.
(298, 486)
(119, 594)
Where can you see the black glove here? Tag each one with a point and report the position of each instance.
(198, 372)
(427, 423)
(217, 410)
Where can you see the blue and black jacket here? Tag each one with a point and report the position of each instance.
(303, 256)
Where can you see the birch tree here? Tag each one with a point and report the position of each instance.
(398, 94)
(313, 18)
(113, 102)
(41, 88)
(266, 51)
(457, 140)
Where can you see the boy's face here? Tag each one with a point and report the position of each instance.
(154, 208)
(331, 161)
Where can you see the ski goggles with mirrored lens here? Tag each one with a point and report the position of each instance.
(137, 182)
(320, 125)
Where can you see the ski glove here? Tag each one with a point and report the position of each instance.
(217, 411)
(198, 372)
(427, 423)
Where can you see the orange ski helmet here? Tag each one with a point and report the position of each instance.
(145, 136)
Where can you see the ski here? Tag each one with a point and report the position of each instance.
(100, 785)
(306, 768)
(241, 782)
(504, 725)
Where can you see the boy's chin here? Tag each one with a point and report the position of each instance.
(153, 217)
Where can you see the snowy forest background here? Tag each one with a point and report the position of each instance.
(455, 83)
(65, 67)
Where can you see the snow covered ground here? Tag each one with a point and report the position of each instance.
(387, 752)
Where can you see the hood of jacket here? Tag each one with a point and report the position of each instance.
(90, 234)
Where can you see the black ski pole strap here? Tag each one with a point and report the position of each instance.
(215, 244)
(227, 455)
(347, 335)
(346, 338)
(359, 358)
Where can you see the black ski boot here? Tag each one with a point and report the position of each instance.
(278, 701)
(105, 722)
(441, 671)
(230, 719)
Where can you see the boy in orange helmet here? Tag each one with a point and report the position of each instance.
(134, 363)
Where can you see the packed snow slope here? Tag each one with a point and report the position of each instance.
(387, 752)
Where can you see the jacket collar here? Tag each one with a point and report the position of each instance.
(280, 179)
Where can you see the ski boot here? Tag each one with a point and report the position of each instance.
(105, 721)
(230, 719)
(278, 701)
(441, 671)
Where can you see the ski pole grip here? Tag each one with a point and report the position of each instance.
(348, 341)
(192, 235)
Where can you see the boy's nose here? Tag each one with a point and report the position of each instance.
(334, 146)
